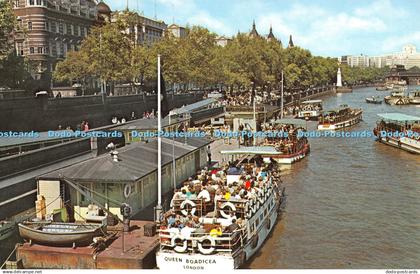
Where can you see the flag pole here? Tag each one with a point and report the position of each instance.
(158, 209)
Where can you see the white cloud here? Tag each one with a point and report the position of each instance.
(203, 18)
(381, 8)
(395, 43)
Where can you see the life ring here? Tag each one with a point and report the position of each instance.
(267, 195)
(178, 248)
(230, 206)
(261, 197)
(127, 190)
(255, 205)
(207, 251)
(268, 223)
(254, 241)
(248, 210)
(193, 207)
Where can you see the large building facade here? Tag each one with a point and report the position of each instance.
(143, 30)
(408, 57)
(48, 29)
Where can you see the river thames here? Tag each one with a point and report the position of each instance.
(353, 203)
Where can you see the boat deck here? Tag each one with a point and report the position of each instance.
(139, 253)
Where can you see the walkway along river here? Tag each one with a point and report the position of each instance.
(353, 203)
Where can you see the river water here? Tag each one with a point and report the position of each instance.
(352, 203)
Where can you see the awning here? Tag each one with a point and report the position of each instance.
(399, 117)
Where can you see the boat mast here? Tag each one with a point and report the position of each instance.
(281, 108)
(255, 122)
(158, 208)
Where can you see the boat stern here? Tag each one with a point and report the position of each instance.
(172, 261)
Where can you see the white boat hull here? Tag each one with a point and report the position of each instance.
(403, 143)
(340, 125)
(169, 261)
(172, 261)
(311, 114)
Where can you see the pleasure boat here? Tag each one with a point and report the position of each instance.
(228, 230)
(399, 130)
(414, 97)
(310, 109)
(373, 100)
(340, 118)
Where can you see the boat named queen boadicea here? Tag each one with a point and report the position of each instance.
(226, 223)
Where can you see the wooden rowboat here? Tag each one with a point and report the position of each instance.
(60, 234)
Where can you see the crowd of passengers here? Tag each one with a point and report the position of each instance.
(286, 142)
(210, 188)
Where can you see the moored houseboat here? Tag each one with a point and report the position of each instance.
(399, 130)
(340, 118)
(227, 222)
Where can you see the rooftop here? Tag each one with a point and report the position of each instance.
(149, 124)
(134, 161)
(399, 117)
(195, 106)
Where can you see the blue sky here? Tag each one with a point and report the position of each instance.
(325, 27)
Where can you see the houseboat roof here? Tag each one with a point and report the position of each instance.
(263, 150)
(149, 124)
(134, 161)
(399, 117)
(192, 107)
(290, 121)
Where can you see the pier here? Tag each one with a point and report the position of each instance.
(133, 250)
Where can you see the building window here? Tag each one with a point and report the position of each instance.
(60, 28)
(20, 49)
(16, 3)
(76, 31)
(56, 27)
(68, 27)
(47, 50)
(82, 31)
(47, 26)
(53, 27)
(31, 2)
(64, 28)
(39, 2)
(31, 50)
(29, 25)
(39, 50)
(19, 23)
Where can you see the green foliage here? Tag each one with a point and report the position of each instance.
(246, 62)
(7, 25)
(361, 75)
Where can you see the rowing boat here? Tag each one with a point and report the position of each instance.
(60, 234)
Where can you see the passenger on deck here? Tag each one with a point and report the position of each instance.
(232, 227)
(205, 195)
(217, 231)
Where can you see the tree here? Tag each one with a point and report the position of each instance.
(74, 68)
(7, 25)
